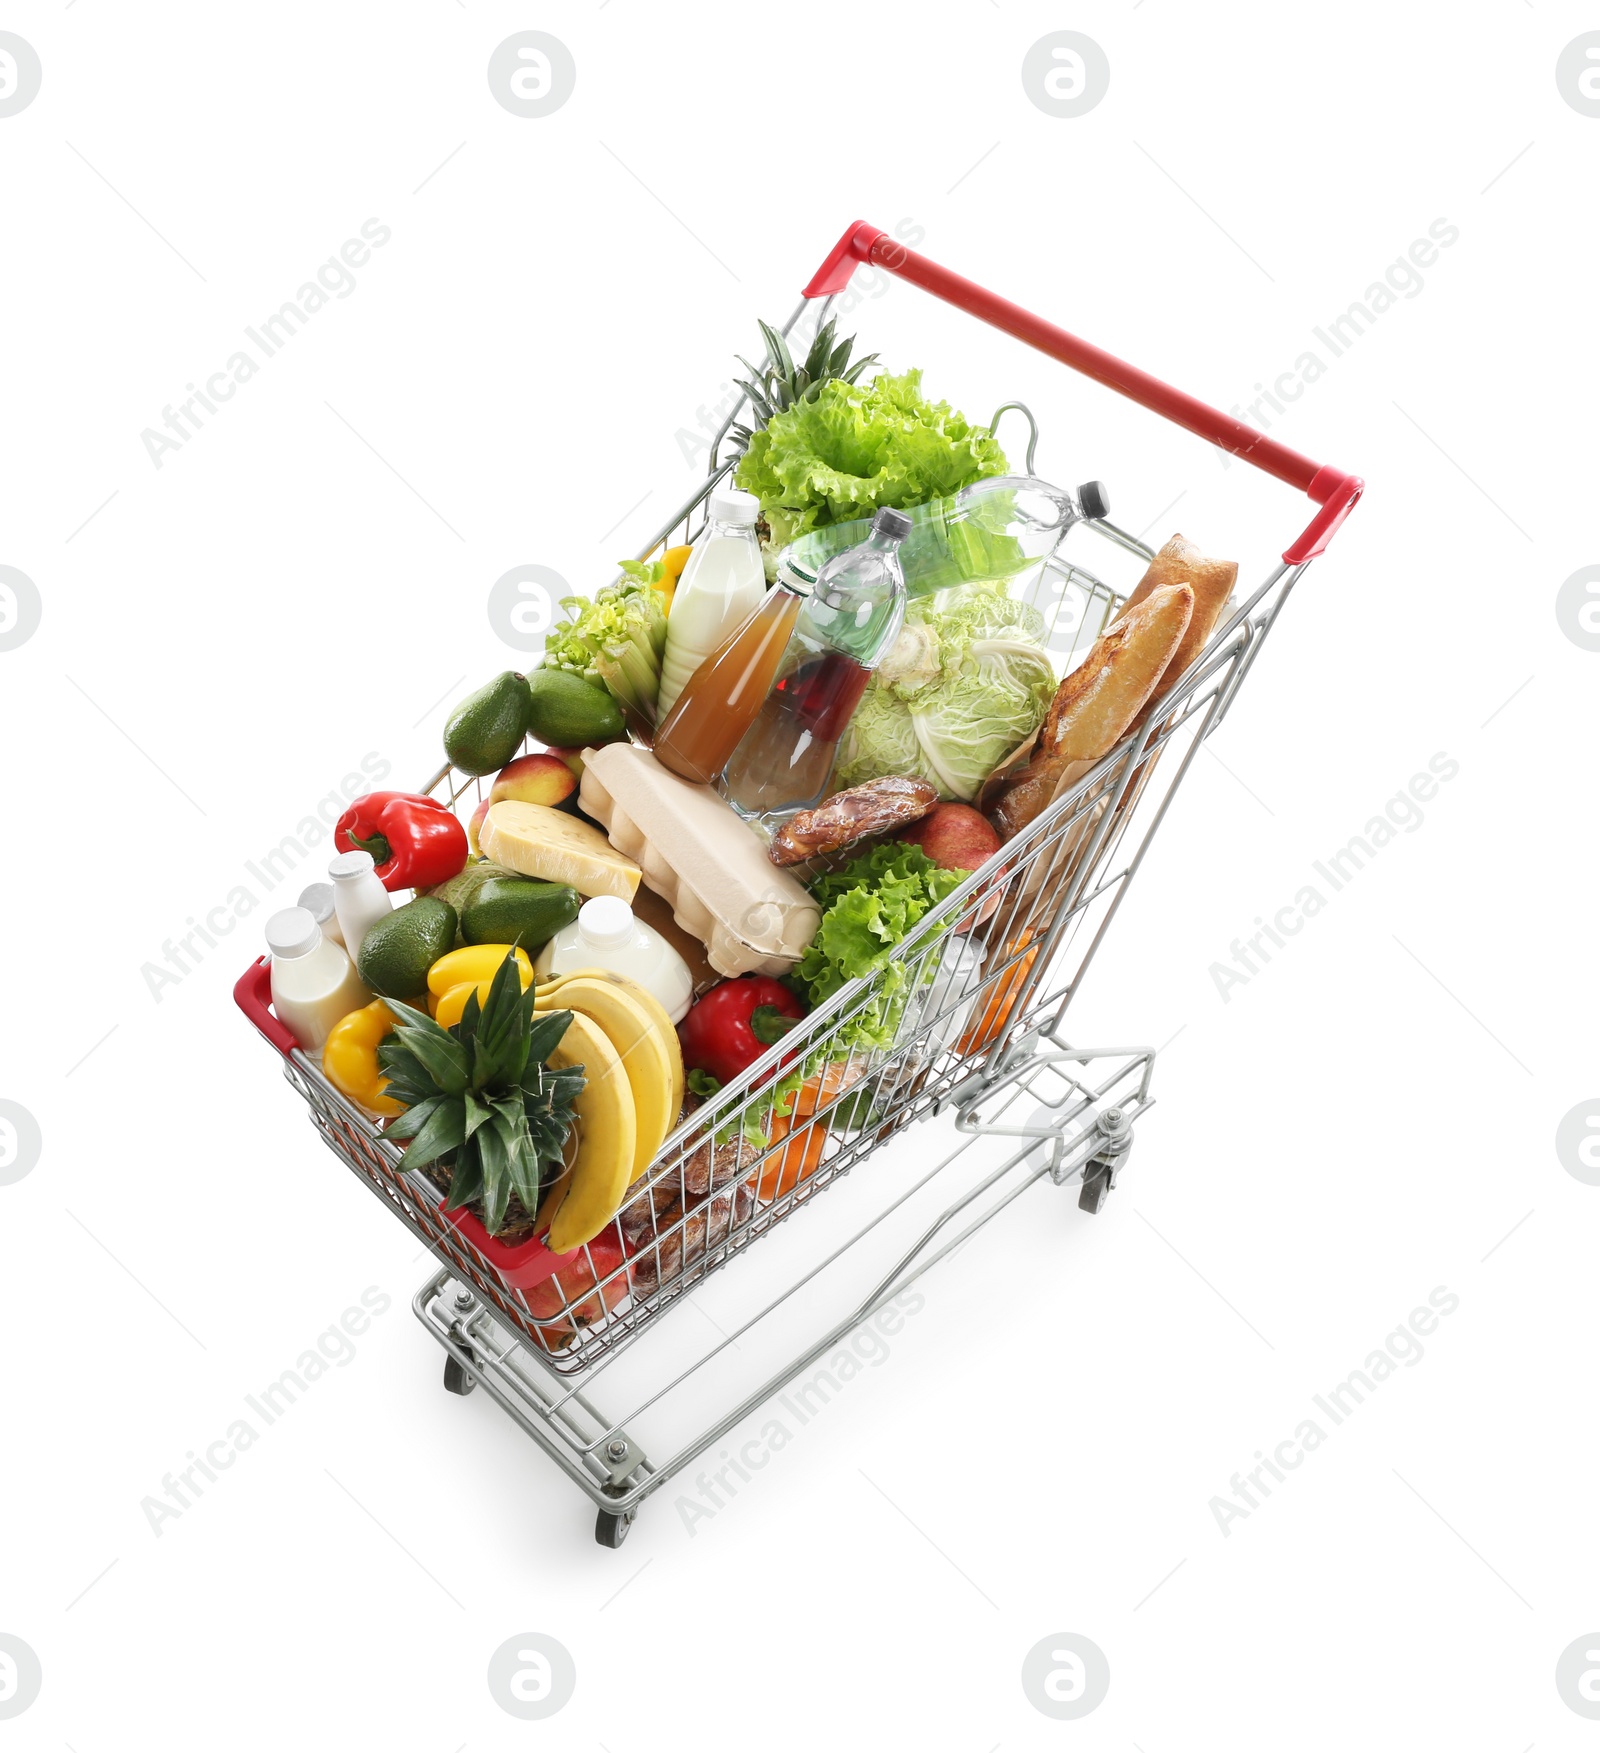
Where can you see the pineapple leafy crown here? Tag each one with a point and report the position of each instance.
(479, 1097)
(780, 383)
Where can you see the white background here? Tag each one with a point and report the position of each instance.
(304, 583)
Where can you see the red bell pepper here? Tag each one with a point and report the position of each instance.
(415, 841)
(729, 1029)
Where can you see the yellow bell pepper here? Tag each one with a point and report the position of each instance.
(447, 1012)
(447, 1008)
(474, 966)
(350, 1058)
(672, 565)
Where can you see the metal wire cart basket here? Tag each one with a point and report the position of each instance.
(624, 1399)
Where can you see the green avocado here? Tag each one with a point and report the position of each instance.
(566, 712)
(520, 911)
(398, 951)
(486, 729)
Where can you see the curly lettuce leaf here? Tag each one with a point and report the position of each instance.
(869, 906)
(854, 449)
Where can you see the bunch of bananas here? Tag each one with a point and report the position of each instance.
(633, 1091)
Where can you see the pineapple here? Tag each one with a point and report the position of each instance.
(781, 383)
(479, 1098)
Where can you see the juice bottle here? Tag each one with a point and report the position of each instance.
(784, 762)
(722, 583)
(724, 695)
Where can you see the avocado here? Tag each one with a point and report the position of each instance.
(566, 712)
(486, 729)
(520, 911)
(398, 951)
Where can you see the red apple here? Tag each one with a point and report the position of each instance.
(474, 827)
(572, 757)
(544, 778)
(956, 837)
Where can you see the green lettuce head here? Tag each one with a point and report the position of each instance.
(965, 683)
(854, 449)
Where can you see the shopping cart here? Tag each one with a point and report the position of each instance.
(975, 1005)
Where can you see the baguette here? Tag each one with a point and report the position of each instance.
(1096, 704)
(1181, 562)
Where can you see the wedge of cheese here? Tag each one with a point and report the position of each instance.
(556, 848)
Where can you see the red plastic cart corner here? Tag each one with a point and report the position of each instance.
(518, 1267)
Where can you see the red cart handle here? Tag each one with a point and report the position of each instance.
(252, 993)
(1333, 490)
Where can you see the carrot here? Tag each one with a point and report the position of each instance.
(982, 1033)
(802, 1154)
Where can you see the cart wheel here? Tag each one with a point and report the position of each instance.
(612, 1530)
(456, 1379)
(1092, 1195)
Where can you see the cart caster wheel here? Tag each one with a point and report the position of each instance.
(612, 1530)
(1092, 1195)
(456, 1379)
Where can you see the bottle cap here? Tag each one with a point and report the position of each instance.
(318, 902)
(1093, 500)
(792, 578)
(606, 922)
(731, 505)
(293, 932)
(350, 864)
(891, 523)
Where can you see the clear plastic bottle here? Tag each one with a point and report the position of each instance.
(359, 899)
(784, 762)
(723, 581)
(607, 935)
(313, 981)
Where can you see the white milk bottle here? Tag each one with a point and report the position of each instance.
(313, 981)
(359, 899)
(607, 935)
(720, 587)
(317, 900)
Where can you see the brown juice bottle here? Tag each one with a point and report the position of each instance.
(723, 696)
(853, 615)
(786, 761)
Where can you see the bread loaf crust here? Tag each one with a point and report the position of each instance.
(1096, 704)
(1181, 562)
